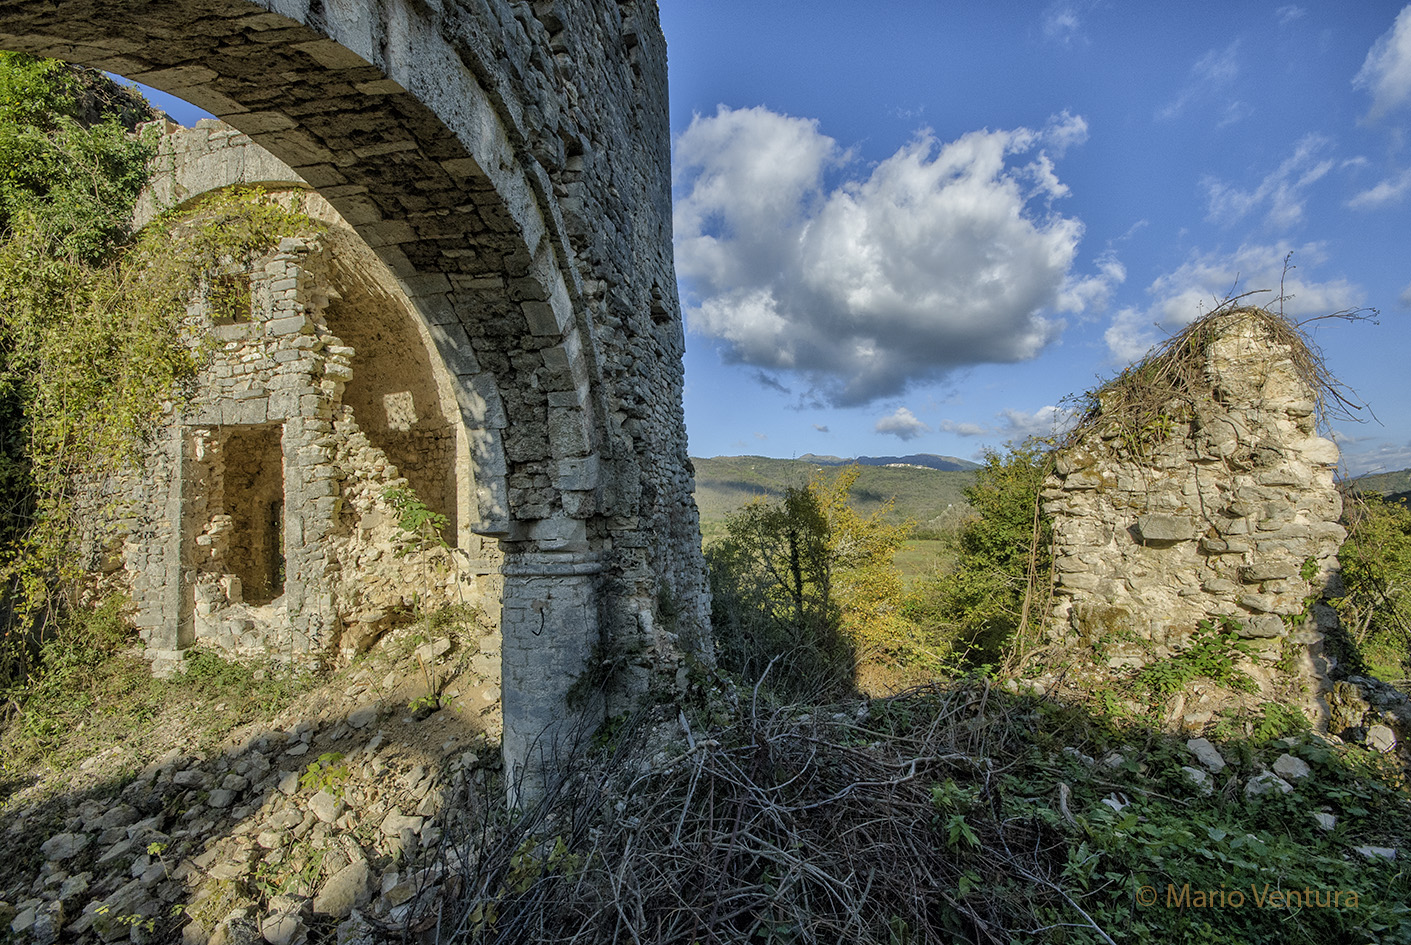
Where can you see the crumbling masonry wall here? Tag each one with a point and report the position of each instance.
(263, 522)
(1225, 510)
(509, 163)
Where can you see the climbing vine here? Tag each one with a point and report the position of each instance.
(93, 322)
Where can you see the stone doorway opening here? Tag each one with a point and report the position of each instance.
(253, 497)
(234, 548)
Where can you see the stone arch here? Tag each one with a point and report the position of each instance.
(402, 391)
(509, 164)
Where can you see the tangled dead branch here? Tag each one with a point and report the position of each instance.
(1171, 381)
(846, 824)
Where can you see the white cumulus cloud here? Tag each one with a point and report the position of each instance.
(1199, 284)
(964, 428)
(945, 254)
(902, 424)
(1049, 420)
(1014, 424)
(1386, 72)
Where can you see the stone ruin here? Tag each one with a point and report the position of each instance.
(266, 517)
(509, 163)
(1214, 502)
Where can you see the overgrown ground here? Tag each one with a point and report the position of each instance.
(966, 810)
(955, 812)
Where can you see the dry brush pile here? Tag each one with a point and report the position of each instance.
(955, 814)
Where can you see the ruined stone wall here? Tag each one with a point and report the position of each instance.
(264, 520)
(509, 163)
(1223, 507)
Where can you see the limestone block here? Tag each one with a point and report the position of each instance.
(1083, 479)
(1160, 527)
(1270, 568)
(290, 325)
(568, 434)
(1262, 626)
(1071, 460)
(1318, 451)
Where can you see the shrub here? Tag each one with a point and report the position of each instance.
(1002, 557)
(1376, 570)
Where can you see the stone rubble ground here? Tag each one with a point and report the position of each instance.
(337, 812)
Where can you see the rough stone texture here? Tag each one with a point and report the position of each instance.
(509, 163)
(1207, 754)
(1230, 512)
(283, 461)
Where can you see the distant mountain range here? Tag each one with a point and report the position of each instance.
(927, 460)
(1395, 486)
(924, 491)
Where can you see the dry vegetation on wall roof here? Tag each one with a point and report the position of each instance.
(1172, 379)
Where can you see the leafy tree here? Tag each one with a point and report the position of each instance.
(1002, 555)
(867, 584)
(771, 583)
(810, 585)
(1376, 571)
(76, 181)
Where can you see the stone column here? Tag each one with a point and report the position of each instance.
(549, 628)
(166, 609)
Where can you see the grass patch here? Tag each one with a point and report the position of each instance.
(921, 557)
(95, 696)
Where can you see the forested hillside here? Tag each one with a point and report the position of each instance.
(1393, 485)
(932, 498)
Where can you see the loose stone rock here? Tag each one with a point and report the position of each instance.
(395, 822)
(1381, 738)
(1266, 782)
(62, 846)
(1199, 779)
(365, 716)
(1206, 754)
(326, 807)
(344, 891)
(1377, 853)
(1291, 768)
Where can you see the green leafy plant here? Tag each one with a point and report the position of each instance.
(1376, 571)
(421, 527)
(429, 702)
(94, 347)
(326, 773)
(1210, 654)
(994, 592)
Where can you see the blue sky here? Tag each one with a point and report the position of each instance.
(920, 226)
